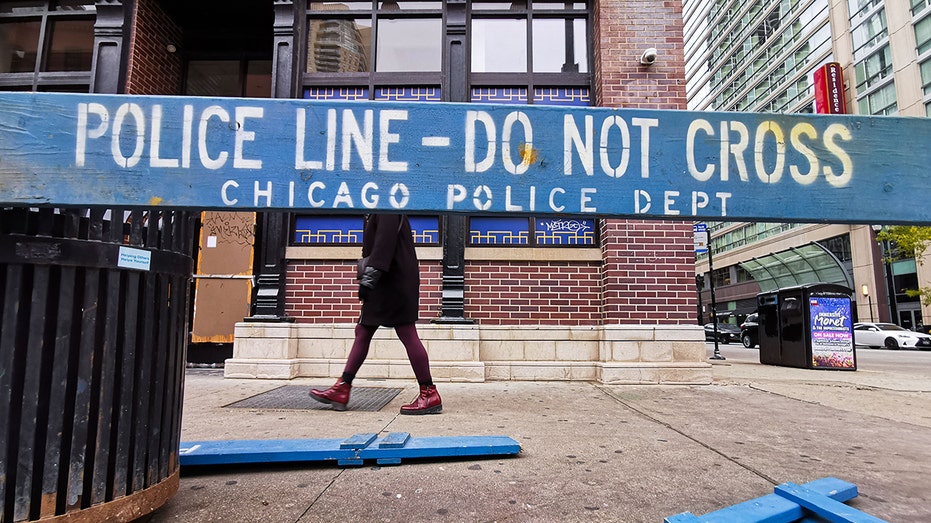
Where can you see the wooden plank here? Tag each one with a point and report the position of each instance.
(394, 440)
(351, 451)
(358, 441)
(824, 506)
(773, 508)
(460, 158)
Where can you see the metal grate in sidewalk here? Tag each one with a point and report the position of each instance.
(295, 397)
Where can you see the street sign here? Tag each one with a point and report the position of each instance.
(359, 157)
(700, 231)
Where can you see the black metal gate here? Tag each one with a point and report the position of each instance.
(93, 332)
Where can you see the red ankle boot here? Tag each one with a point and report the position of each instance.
(337, 395)
(428, 402)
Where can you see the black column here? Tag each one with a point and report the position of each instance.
(108, 48)
(268, 298)
(456, 89)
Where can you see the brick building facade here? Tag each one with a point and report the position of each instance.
(618, 308)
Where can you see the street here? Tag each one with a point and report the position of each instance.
(880, 360)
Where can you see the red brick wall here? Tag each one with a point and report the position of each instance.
(623, 29)
(649, 273)
(327, 291)
(536, 293)
(152, 69)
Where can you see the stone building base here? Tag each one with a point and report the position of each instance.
(612, 354)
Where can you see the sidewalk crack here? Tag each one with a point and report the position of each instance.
(669, 426)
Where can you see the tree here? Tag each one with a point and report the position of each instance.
(907, 241)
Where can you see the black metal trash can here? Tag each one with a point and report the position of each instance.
(93, 332)
(808, 326)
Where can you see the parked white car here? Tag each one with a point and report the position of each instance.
(890, 336)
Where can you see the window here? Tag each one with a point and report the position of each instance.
(347, 230)
(389, 43)
(721, 277)
(743, 275)
(923, 35)
(879, 102)
(859, 7)
(538, 232)
(46, 44)
(249, 78)
(875, 68)
(521, 52)
(555, 33)
(839, 246)
(919, 6)
(869, 33)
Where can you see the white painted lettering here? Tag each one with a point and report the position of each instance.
(642, 201)
(645, 124)
(227, 200)
(369, 202)
(586, 199)
(242, 135)
(361, 138)
(455, 193)
(300, 128)
(205, 159)
(572, 138)
(82, 134)
(704, 175)
(156, 141)
(263, 193)
(615, 121)
(473, 118)
(526, 156)
(386, 138)
(762, 130)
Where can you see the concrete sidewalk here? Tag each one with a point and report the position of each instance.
(590, 452)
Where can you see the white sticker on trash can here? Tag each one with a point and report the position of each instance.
(134, 259)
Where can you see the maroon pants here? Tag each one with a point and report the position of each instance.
(416, 352)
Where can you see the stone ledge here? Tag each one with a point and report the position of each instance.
(612, 354)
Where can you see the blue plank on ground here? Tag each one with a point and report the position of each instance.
(352, 451)
(815, 501)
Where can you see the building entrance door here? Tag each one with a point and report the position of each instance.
(227, 51)
(910, 318)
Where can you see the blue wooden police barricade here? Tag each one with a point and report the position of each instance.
(817, 501)
(64, 158)
(387, 450)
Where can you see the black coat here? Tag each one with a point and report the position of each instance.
(388, 243)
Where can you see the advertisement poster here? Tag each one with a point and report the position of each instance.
(831, 333)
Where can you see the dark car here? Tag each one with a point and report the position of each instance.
(750, 331)
(726, 332)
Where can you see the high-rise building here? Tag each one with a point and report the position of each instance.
(762, 56)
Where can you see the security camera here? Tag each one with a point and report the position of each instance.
(648, 56)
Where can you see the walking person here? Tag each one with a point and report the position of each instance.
(389, 287)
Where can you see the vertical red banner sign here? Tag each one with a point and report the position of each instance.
(829, 89)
